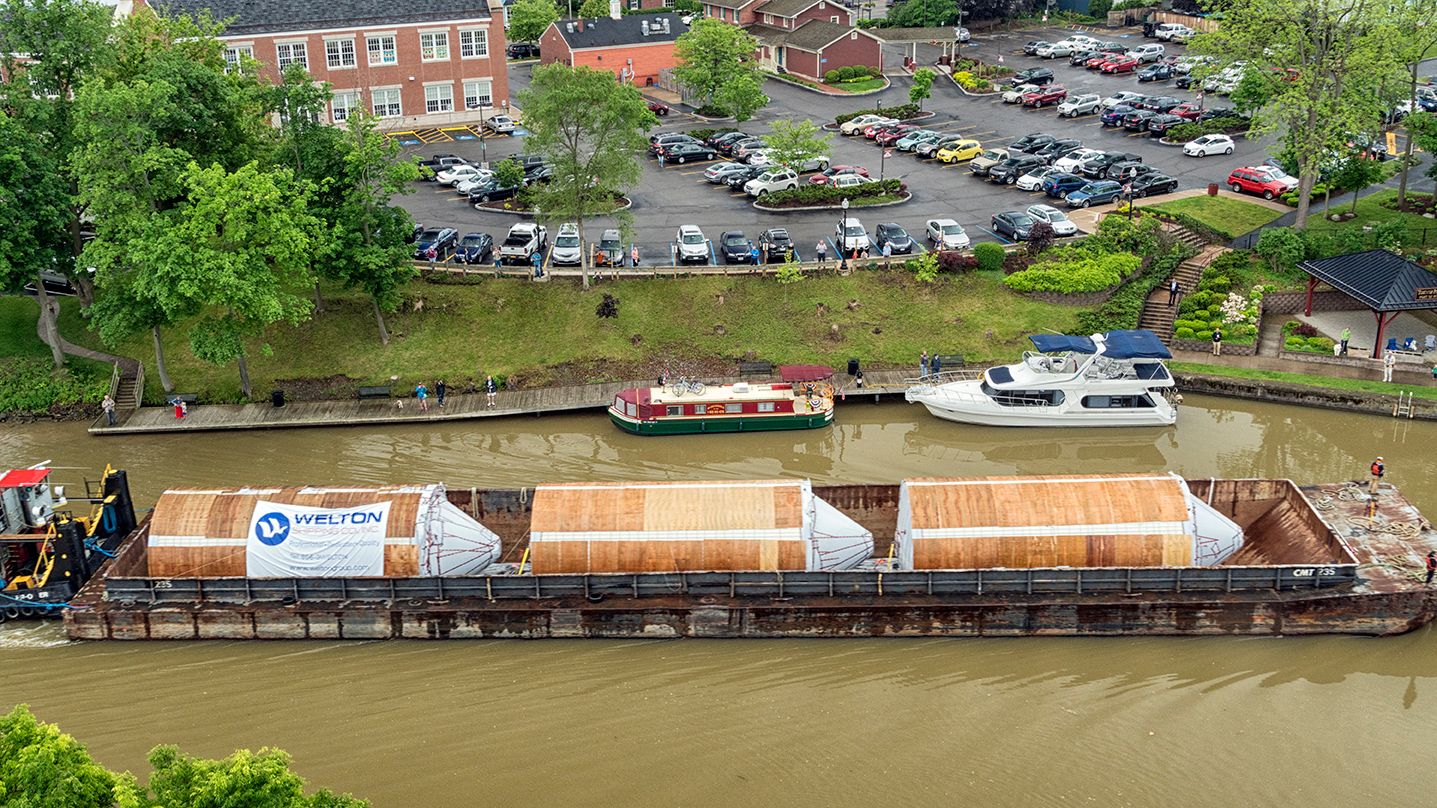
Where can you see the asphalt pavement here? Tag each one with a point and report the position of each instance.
(678, 195)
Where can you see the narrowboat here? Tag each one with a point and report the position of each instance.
(804, 399)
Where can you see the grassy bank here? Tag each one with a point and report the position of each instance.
(538, 334)
(29, 383)
(1324, 382)
(1372, 210)
(1231, 217)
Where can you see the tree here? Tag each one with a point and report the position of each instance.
(1253, 91)
(792, 143)
(45, 768)
(1356, 172)
(1418, 38)
(712, 54)
(591, 129)
(742, 95)
(923, 14)
(922, 86)
(245, 779)
(1422, 128)
(529, 19)
(35, 209)
(508, 173)
(594, 9)
(1331, 59)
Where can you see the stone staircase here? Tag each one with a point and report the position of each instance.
(1157, 315)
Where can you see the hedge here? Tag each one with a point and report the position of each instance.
(1125, 307)
(972, 83)
(989, 256)
(1203, 229)
(1216, 126)
(1073, 270)
(824, 194)
(902, 112)
(852, 73)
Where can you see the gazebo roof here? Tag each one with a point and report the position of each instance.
(1378, 279)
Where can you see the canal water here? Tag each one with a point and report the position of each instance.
(832, 723)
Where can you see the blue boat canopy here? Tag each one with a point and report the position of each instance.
(1055, 343)
(1136, 344)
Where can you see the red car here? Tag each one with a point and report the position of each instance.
(1051, 94)
(1120, 64)
(1259, 180)
(825, 176)
(891, 135)
(658, 108)
(1098, 60)
(871, 132)
(1188, 111)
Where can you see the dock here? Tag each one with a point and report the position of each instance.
(404, 409)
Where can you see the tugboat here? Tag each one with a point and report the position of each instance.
(46, 552)
(1112, 379)
(803, 400)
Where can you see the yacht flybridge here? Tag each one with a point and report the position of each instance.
(1112, 379)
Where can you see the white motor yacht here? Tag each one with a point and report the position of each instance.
(1112, 379)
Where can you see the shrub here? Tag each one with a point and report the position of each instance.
(1298, 329)
(989, 256)
(1204, 335)
(1125, 306)
(1282, 248)
(954, 261)
(970, 82)
(824, 194)
(1073, 270)
(31, 386)
(925, 267)
(831, 76)
(1040, 238)
(1184, 132)
(1184, 333)
(875, 72)
(902, 112)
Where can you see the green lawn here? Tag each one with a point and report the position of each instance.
(1223, 214)
(548, 333)
(860, 86)
(1371, 212)
(1328, 382)
(17, 328)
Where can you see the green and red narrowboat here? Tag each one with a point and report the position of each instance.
(803, 400)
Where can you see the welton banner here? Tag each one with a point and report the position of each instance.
(297, 541)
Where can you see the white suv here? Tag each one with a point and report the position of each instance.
(1168, 29)
(851, 235)
(1151, 52)
(778, 179)
(692, 246)
(1056, 219)
(1075, 105)
(567, 249)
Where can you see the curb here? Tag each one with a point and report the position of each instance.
(907, 196)
(628, 204)
(887, 83)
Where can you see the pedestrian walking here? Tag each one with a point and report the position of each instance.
(439, 391)
(1389, 362)
(491, 390)
(1378, 471)
(1217, 342)
(1346, 337)
(108, 405)
(923, 365)
(1431, 565)
(821, 250)
(1172, 292)
(634, 255)
(432, 254)
(935, 364)
(421, 392)
(498, 261)
(661, 158)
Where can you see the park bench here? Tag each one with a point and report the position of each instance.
(949, 361)
(366, 393)
(755, 369)
(190, 399)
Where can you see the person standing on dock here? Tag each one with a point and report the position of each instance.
(1217, 342)
(1378, 470)
(923, 365)
(108, 405)
(1431, 565)
(422, 393)
(935, 365)
(439, 391)
(1389, 363)
(1346, 337)
(491, 390)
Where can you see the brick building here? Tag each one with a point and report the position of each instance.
(804, 37)
(634, 48)
(416, 63)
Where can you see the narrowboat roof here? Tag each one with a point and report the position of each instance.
(724, 392)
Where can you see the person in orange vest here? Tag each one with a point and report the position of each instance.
(1378, 469)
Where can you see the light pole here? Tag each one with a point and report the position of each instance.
(843, 237)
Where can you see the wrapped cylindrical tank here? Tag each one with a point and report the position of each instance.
(1103, 520)
(691, 527)
(397, 532)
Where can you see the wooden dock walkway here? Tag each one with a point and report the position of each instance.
(463, 406)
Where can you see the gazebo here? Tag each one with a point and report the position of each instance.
(1383, 281)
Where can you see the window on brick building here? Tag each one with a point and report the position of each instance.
(386, 102)
(439, 98)
(339, 53)
(381, 50)
(291, 53)
(342, 103)
(473, 43)
(235, 56)
(434, 47)
(478, 93)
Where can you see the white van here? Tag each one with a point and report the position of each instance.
(1167, 29)
(1151, 52)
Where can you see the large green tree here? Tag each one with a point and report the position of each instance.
(1332, 58)
(1417, 42)
(594, 9)
(529, 19)
(41, 767)
(35, 211)
(742, 95)
(792, 143)
(591, 129)
(712, 54)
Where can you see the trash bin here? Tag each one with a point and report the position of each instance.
(1212, 189)
(277, 398)
(853, 366)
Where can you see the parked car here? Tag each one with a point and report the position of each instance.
(1160, 124)
(501, 124)
(979, 165)
(913, 139)
(430, 168)
(946, 234)
(1184, 65)
(1017, 165)
(1058, 148)
(873, 131)
(1166, 30)
(1054, 218)
(1014, 224)
(823, 177)
(1115, 116)
(1102, 57)
(1159, 103)
(893, 235)
(962, 34)
(1149, 52)
(1094, 193)
(893, 134)
(475, 248)
(459, 172)
(735, 247)
(716, 172)
(466, 187)
(775, 243)
(1184, 81)
(659, 108)
(1153, 183)
(721, 138)
(1031, 46)
(659, 141)
(1216, 113)
(732, 147)
(932, 147)
(1031, 142)
(1051, 94)
(540, 173)
(491, 190)
(522, 50)
(442, 239)
(1137, 120)
(1279, 173)
(1084, 39)
(1127, 170)
(847, 181)
(1208, 144)
(1051, 50)
(1058, 185)
(764, 158)
(1119, 64)
(856, 125)
(1260, 181)
(737, 179)
(746, 149)
(609, 252)
(692, 246)
(1072, 160)
(850, 235)
(1097, 167)
(1078, 58)
(1121, 98)
(689, 153)
(1033, 75)
(1075, 105)
(776, 179)
(568, 250)
(1033, 180)
(1015, 95)
(963, 149)
(1160, 71)
(1188, 111)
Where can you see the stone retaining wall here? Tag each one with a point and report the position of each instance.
(1228, 348)
(1079, 299)
(1294, 302)
(1298, 394)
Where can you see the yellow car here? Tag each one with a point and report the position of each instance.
(960, 151)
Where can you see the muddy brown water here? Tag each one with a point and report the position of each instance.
(836, 723)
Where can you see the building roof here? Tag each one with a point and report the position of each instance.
(610, 33)
(791, 8)
(815, 34)
(1378, 279)
(274, 16)
(768, 34)
(915, 34)
(729, 3)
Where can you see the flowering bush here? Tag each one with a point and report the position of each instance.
(968, 81)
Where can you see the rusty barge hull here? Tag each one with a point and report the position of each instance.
(1316, 566)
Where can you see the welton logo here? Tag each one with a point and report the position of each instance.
(272, 528)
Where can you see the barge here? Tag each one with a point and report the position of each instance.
(804, 399)
(1311, 560)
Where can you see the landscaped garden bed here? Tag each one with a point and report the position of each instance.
(818, 196)
(1298, 337)
(1220, 302)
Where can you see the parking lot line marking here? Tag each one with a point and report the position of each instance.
(1001, 240)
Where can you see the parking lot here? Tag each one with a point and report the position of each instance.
(678, 194)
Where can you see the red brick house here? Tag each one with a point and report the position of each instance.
(816, 47)
(634, 48)
(792, 14)
(738, 12)
(416, 63)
